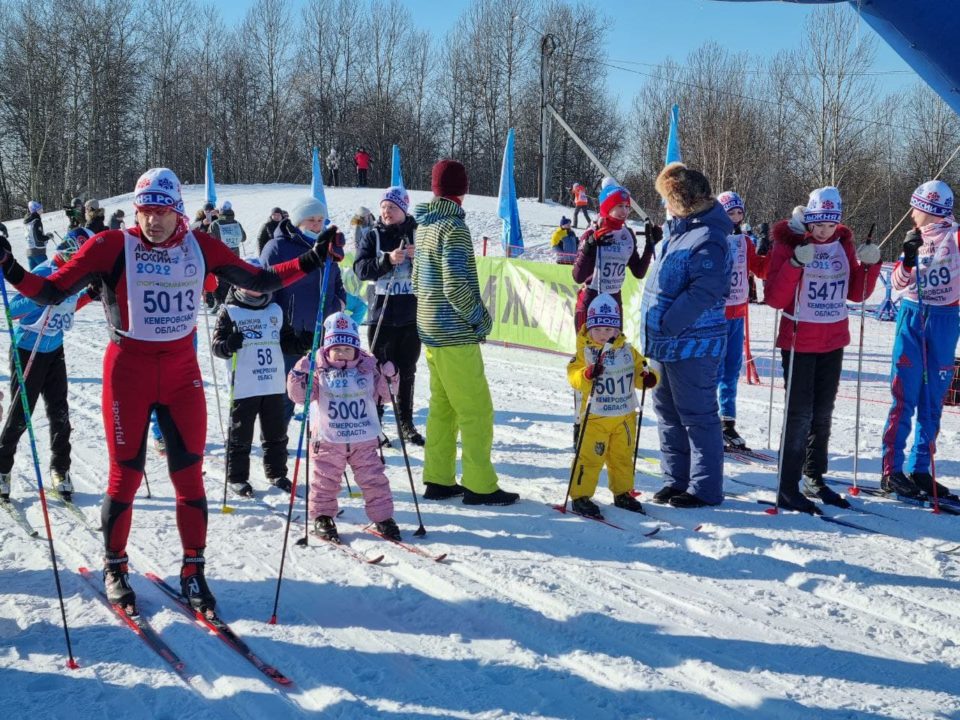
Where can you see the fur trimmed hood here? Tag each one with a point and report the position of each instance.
(781, 233)
(684, 190)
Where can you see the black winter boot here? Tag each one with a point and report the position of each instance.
(116, 582)
(586, 507)
(411, 435)
(193, 584)
(664, 494)
(731, 438)
(497, 497)
(242, 488)
(627, 501)
(326, 529)
(924, 482)
(388, 528)
(815, 487)
(436, 491)
(796, 501)
(687, 501)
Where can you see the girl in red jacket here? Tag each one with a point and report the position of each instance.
(814, 269)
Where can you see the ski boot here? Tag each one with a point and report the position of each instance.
(116, 582)
(731, 438)
(626, 501)
(388, 528)
(5, 487)
(687, 501)
(663, 495)
(796, 501)
(586, 507)
(899, 484)
(242, 488)
(62, 484)
(436, 491)
(283, 483)
(410, 434)
(326, 529)
(924, 482)
(193, 584)
(815, 488)
(385, 441)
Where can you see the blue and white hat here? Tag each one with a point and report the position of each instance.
(824, 206)
(934, 197)
(398, 196)
(603, 312)
(730, 201)
(340, 329)
(158, 187)
(34, 207)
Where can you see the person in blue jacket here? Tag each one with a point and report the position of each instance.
(301, 300)
(684, 335)
(40, 335)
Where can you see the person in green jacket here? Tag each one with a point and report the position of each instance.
(452, 322)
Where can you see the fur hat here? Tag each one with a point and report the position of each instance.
(340, 329)
(603, 312)
(34, 207)
(824, 205)
(398, 196)
(449, 179)
(611, 196)
(686, 192)
(91, 205)
(730, 201)
(934, 197)
(159, 187)
(306, 207)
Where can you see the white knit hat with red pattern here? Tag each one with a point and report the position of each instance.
(934, 197)
(340, 329)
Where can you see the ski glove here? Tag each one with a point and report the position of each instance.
(911, 244)
(648, 378)
(796, 220)
(234, 340)
(803, 254)
(327, 243)
(388, 369)
(653, 233)
(590, 372)
(868, 253)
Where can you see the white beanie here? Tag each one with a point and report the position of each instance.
(340, 329)
(934, 197)
(307, 207)
(603, 312)
(158, 187)
(824, 206)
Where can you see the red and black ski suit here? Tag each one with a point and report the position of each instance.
(142, 373)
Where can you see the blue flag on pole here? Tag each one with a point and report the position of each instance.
(316, 187)
(511, 235)
(396, 174)
(208, 180)
(673, 138)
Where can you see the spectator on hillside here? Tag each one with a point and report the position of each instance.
(333, 165)
(36, 238)
(362, 162)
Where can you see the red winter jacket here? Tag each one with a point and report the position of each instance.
(362, 161)
(782, 281)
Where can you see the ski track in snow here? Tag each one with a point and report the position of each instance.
(534, 613)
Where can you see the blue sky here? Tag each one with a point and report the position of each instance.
(649, 31)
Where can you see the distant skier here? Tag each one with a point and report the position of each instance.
(814, 270)
(609, 434)
(928, 327)
(348, 384)
(333, 166)
(151, 278)
(745, 262)
(581, 203)
(36, 238)
(362, 163)
(248, 335)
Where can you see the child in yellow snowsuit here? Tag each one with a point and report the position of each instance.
(606, 369)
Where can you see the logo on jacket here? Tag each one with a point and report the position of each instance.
(600, 448)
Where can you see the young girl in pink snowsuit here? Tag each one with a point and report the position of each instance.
(347, 385)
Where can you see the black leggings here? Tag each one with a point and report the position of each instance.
(400, 344)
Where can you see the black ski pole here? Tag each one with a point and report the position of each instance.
(226, 462)
(146, 482)
(420, 531)
(583, 430)
(636, 438)
(305, 540)
(786, 404)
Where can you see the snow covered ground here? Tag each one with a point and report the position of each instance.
(534, 614)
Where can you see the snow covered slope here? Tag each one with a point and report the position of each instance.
(534, 613)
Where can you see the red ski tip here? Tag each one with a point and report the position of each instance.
(936, 511)
(72, 664)
(771, 511)
(272, 620)
(560, 508)
(854, 491)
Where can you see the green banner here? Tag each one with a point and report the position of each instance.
(531, 303)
